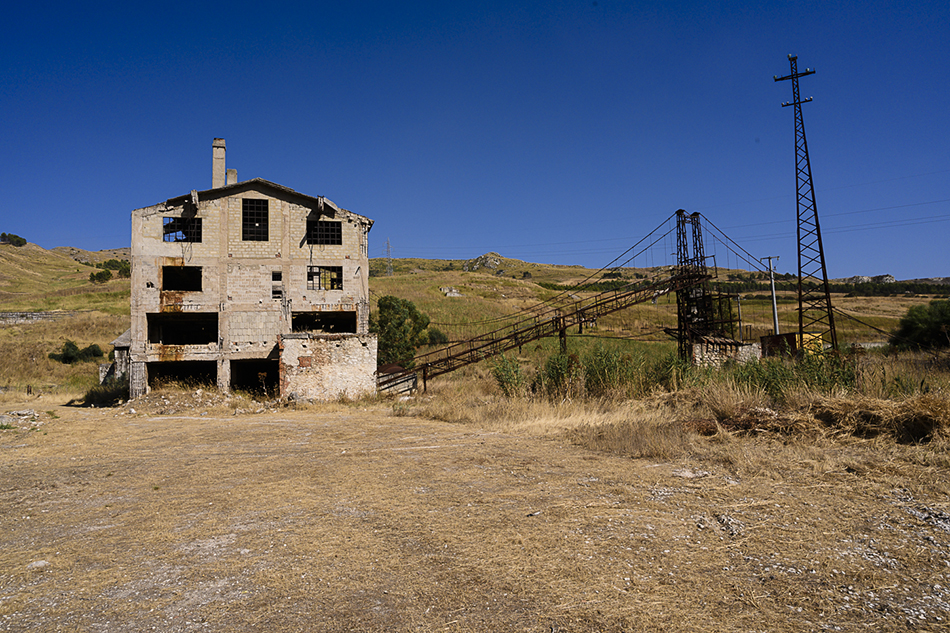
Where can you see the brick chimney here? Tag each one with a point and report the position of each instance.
(218, 171)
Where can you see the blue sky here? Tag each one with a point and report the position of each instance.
(556, 132)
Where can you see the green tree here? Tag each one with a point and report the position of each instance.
(100, 277)
(16, 240)
(71, 353)
(122, 267)
(401, 329)
(925, 327)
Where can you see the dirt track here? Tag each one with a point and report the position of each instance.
(359, 521)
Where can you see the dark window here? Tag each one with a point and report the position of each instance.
(275, 275)
(181, 229)
(324, 232)
(254, 220)
(329, 322)
(276, 292)
(182, 278)
(324, 278)
(182, 328)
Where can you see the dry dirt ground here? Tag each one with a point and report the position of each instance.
(350, 519)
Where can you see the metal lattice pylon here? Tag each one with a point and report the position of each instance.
(815, 316)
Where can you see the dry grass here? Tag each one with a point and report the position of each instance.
(25, 349)
(341, 517)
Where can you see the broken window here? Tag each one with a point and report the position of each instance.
(324, 278)
(277, 290)
(192, 372)
(181, 229)
(324, 232)
(254, 220)
(182, 328)
(181, 278)
(326, 322)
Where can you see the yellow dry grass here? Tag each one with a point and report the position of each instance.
(344, 517)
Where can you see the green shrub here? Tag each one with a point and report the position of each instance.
(100, 277)
(16, 240)
(608, 371)
(70, 353)
(122, 267)
(509, 376)
(563, 376)
(924, 327)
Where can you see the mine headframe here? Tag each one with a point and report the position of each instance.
(700, 310)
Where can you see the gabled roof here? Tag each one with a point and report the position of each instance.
(124, 339)
(279, 191)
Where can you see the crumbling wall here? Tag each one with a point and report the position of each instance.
(326, 367)
(715, 354)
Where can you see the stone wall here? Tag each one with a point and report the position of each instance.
(715, 354)
(21, 318)
(326, 367)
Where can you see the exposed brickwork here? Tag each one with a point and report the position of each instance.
(315, 367)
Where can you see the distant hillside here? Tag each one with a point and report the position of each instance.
(33, 279)
(95, 257)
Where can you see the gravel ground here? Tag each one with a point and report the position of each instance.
(203, 515)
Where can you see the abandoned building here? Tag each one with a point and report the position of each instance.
(253, 286)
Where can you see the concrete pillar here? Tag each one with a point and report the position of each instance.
(138, 379)
(218, 170)
(224, 375)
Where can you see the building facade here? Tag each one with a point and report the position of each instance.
(254, 286)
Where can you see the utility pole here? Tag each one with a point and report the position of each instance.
(389, 259)
(774, 303)
(814, 299)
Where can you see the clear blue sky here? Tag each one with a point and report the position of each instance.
(555, 131)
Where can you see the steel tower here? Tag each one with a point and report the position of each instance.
(815, 317)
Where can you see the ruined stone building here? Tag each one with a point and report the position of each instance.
(253, 286)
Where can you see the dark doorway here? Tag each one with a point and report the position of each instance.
(260, 377)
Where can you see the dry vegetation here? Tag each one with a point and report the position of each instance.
(740, 500)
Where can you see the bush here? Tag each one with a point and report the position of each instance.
(16, 240)
(563, 376)
(122, 267)
(71, 353)
(924, 327)
(100, 277)
(508, 375)
(607, 371)
(10, 238)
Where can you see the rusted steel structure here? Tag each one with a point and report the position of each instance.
(815, 314)
(554, 321)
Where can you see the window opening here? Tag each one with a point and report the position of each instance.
(324, 232)
(324, 278)
(181, 229)
(181, 278)
(254, 220)
(180, 328)
(275, 275)
(331, 322)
